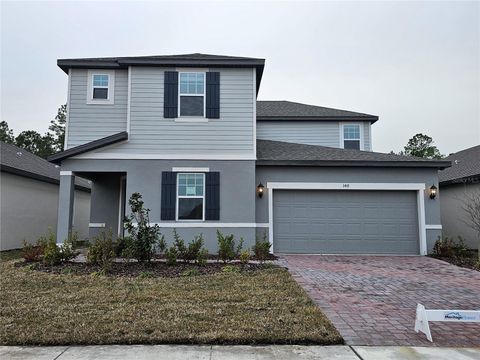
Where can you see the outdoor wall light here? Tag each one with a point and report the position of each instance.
(260, 190)
(433, 192)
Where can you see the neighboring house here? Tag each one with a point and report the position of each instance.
(29, 188)
(187, 132)
(457, 184)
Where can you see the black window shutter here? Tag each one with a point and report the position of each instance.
(213, 95)
(170, 95)
(169, 195)
(212, 196)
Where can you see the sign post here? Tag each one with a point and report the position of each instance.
(424, 316)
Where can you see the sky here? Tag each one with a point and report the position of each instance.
(414, 64)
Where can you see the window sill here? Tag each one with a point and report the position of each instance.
(99, 102)
(192, 119)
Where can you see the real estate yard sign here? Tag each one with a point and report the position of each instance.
(424, 316)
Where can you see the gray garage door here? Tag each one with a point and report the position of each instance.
(345, 222)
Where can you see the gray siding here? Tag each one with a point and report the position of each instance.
(152, 134)
(325, 133)
(454, 218)
(88, 122)
(29, 209)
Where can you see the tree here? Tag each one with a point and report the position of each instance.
(57, 126)
(37, 144)
(6, 134)
(422, 146)
(471, 206)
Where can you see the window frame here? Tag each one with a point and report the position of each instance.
(110, 88)
(192, 117)
(342, 136)
(178, 197)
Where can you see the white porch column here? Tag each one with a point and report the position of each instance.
(65, 205)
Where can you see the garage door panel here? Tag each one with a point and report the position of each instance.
(356, 222)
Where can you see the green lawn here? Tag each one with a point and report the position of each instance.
(262, 307)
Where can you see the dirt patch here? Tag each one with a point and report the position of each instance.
(152, 269)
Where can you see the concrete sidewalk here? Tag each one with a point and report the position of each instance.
(280, 352)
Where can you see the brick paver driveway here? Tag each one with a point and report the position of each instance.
(371, 300)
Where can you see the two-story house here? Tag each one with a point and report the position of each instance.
(187, 132)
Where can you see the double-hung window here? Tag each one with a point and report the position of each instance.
(351, 136)
(190, 196)
(100, 86)
(191, 94)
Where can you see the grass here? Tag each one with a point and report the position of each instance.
(261, 307)
(8, 255)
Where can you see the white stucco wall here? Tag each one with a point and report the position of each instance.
(29, 208)
(452, 214)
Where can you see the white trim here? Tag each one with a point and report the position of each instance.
(111, 87)
(66, 173)
(178, 197)
(129, 100)
(433, 227)
(360, 126)
(96, 225)
(190, 224)
(345, 186)
(191, 169)
(125, 156)
(418, 187)
(254, 112)
(191, 119)
(191, 69)
(185, 118)
(67, 120)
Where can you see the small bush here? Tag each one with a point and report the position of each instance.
(145, 275)
(179, 244)
(448, 247)
(245, 256)
(171, 255)
(102, 251)
(261, 249)
(54, 254)
(31, 252)
(190, 272)
(230, 269)
(202, 257)
(227, 251)
(68, 270)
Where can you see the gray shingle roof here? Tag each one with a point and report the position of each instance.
(465, 164)
(185, 60)
(21, 162)
(288, 110)
(284, 153)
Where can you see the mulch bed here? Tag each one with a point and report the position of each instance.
(152, 269)
(470, 261)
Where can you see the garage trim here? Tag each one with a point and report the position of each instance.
(418, 187)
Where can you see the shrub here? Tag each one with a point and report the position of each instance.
(230, 269)
(227, 250)
(195, 247)
(261, 249)
(32, 252)
(54, 254)
(448, 247)
(190, 272)
(245, 256)
(144, 237)
(102, 251)
(171, 255)
(179, 245)
(202, 257)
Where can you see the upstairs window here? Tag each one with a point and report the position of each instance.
(191, 94)
(191, 196)
(100, 86)
(351, 136)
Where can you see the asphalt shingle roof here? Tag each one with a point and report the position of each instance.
(465, 164)
(288, 110)
(21, 162)
(283, 153)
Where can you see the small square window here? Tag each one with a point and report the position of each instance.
(101, 85)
